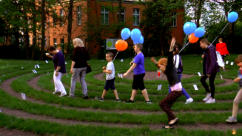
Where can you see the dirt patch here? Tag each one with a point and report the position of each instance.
(14, 132)
(150, 75)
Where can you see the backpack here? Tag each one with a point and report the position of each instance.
(220, 60)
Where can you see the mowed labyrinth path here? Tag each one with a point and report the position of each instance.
(43, 113)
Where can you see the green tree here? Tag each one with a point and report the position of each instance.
(156, 24)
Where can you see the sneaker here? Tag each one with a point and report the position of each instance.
(100, 99)
(207, 97)
(56, 92)
(85, 97)
(129, 101)
(210, 100)
(118, 100)
(173, 122)
(189, 100)
(62, 94)
(148, 102)
(231, 120)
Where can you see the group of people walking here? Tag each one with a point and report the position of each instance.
(172, 67)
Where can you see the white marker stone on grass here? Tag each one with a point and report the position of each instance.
(195, 87)
(232, 63)
(159, 87)
(227, 62)
(199, 74)
(46, 61)
(120, 75)
(122, 60)
(221, 77)
(66, 63)
(23, 96)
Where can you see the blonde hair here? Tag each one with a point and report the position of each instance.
(77, 42)
(163, 61)
(238, 59)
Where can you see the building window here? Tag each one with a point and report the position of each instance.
(174, 19)
(122, 15)
(104, 16)
(55, 41)
(62, 41)
(79, 15)
(61, 17)
(54, 19)
(136, 17)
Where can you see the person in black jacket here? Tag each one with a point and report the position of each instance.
(168, 68)
(79, 67)
(210, 69)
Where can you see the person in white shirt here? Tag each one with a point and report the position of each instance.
(110, 77)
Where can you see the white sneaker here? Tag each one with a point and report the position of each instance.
(207, 97)
(210, 100)
(189, 100)
(62, 94)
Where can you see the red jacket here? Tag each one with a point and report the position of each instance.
(222, 48)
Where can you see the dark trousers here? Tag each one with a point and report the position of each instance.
(167, 102)
(211, 84)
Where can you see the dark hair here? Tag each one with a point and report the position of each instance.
(238, 59)
(110, 54)
(204, 40)
(52, 48)
(140, 46)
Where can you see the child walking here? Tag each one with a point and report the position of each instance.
(179, 69)
(60, 69)
(139, 73)
(238, 98)
(168, 68)
(210, 69)
(110, 77)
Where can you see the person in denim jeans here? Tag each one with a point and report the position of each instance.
(79, 67)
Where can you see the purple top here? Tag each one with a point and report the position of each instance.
(210, 65)
(59, 60)
(139, 61)
(240, 76)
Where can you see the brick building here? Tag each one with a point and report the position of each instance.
(95, 21)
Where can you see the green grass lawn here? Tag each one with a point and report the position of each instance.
(109, 109)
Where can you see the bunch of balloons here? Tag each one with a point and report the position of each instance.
(135, 34)
(193, 32)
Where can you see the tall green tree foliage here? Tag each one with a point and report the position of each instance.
(157, 24)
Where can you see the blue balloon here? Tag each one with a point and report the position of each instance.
(141, 40)
(189, 27)
(135, 35)
(233, 16)
(199, 32)
(125, 33)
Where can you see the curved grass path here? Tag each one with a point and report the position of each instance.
(43, 113)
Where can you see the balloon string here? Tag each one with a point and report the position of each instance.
(115, 56)
(184, 47)
(220, 33)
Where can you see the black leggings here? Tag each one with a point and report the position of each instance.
(211, 84)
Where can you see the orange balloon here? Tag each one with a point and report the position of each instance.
(121, 45)
(192, 38)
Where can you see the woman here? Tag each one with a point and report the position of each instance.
(210, 69)
(79, 67)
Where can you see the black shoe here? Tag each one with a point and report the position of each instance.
(85, 97)
(100, 99)
(118, 100)
(129, 101)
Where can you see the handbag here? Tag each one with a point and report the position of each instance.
(89, 69)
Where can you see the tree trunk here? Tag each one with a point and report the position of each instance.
(69, 29)
(34, 44)
(43, 20)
